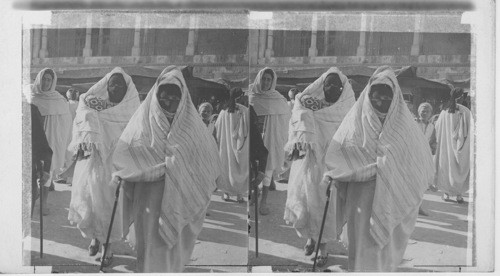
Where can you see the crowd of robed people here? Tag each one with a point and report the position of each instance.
(169, 158)
(378, 158)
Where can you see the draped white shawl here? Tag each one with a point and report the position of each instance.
(48, 102)
(103, 128)
(396, 154)
(184, 154)
(269, 102)
(274, 106)
(314, 130)
(57, 118)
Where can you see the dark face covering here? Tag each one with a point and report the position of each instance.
(455, 94)
(381, 97)
(332, 87)
(169, 97)
(117, 88)
(234, 94)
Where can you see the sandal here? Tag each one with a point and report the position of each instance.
(93, 249)
(321, 260)
(460, 199)
(240, 199)
(446, 197)
(225, 197)
(309, 248)
(264, 210)
(107, 260)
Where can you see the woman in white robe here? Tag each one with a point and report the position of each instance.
(57, 121)
(273, 114)
(102, 114)
(429, 131)
(381, 164)
(453, 155)
(317, 113)
(232, 133)
(169, 165)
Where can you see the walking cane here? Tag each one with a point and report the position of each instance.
(256, 195)
(117, 194)
(323, 222)
(40, 184)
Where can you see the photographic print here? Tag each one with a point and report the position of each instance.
(249, 137)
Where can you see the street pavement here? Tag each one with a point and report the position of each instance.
(441, 241)
(221, 247)
(438, 243)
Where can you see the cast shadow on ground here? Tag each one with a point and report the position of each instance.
(64, 265)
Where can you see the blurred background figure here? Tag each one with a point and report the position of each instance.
(206, 111)
(291, 94)
(452, 159)
(232, 133)
(67, 177)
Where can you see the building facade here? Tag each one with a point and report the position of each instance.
(439, 45)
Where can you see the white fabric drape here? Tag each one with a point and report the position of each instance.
(453, 154)
(274, 107)
(395, 154)
(183, 154)
(314, 131)
(56, 118)
(233, 139)
(92, 197)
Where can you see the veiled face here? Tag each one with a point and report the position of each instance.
(266, 82)
(117, 87)
(332, 87)
(47, 81)
(169, 97)
(381, 97)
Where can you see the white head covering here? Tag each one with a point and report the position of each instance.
(184, 153)
(269, 102)
(304, 126)
(396, 154)
(102, 128)
(48, 102)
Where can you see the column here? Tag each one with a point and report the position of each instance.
(191, 36)
(313, 50)
(87, 50)
(253, 46)
(327, 34)
(136, 49)
(100, 38)
(262, 43)
(269, 51)
(36, 42)
(43, 50)
(361, 51)
(415, 47)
